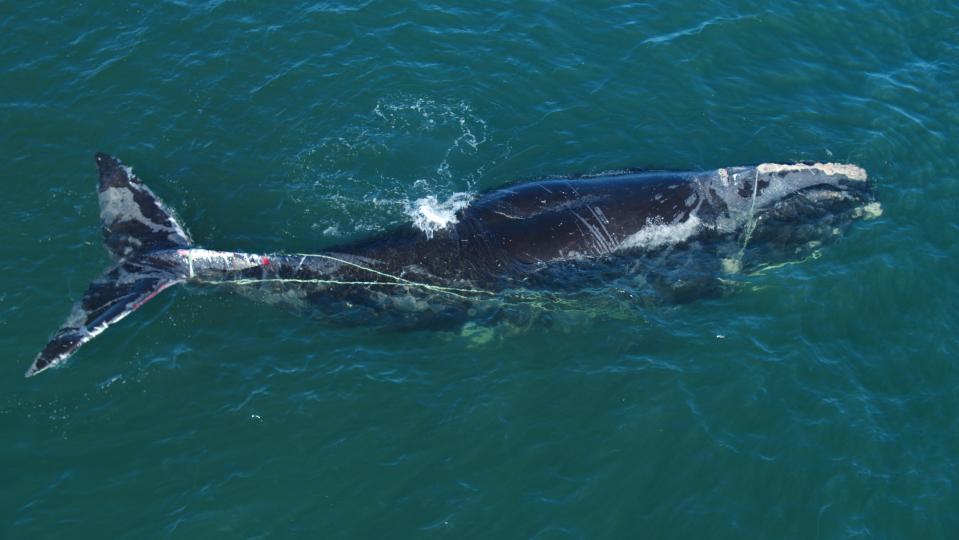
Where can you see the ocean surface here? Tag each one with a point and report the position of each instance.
(820, 400)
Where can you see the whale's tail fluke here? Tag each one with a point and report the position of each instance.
(135, 223)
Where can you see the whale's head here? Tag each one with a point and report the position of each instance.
(784, 212)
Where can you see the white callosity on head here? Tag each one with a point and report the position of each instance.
(723, 177)
(848, 170)
(429, 215)
(872, 210)
(745, 190)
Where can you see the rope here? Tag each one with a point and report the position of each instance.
(398, 281)
(403, 282)
(353, 264)
(750, 222)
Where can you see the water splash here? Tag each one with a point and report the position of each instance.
(429, 215)
(344, 175)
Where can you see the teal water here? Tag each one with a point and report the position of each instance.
(819, 401)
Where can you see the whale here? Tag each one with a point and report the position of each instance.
(683, 232)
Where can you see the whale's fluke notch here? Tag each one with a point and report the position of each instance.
(134, 219)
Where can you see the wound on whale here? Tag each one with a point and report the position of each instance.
(682, 232)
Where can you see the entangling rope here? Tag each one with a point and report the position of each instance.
(398, 281)
(750, 222)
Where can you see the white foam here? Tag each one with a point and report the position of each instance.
(429, 215)
(657, 233)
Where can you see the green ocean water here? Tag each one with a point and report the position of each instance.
(817, 401)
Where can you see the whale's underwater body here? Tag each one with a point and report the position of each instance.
(681, 231)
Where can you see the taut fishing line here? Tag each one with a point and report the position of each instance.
(397, 280)
(750, 222)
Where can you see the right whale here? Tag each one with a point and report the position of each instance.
(682, 233)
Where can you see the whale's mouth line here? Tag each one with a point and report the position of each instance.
(864, 191)
(837, 190)
(855, 201)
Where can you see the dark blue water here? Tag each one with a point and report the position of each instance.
(818, 400)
